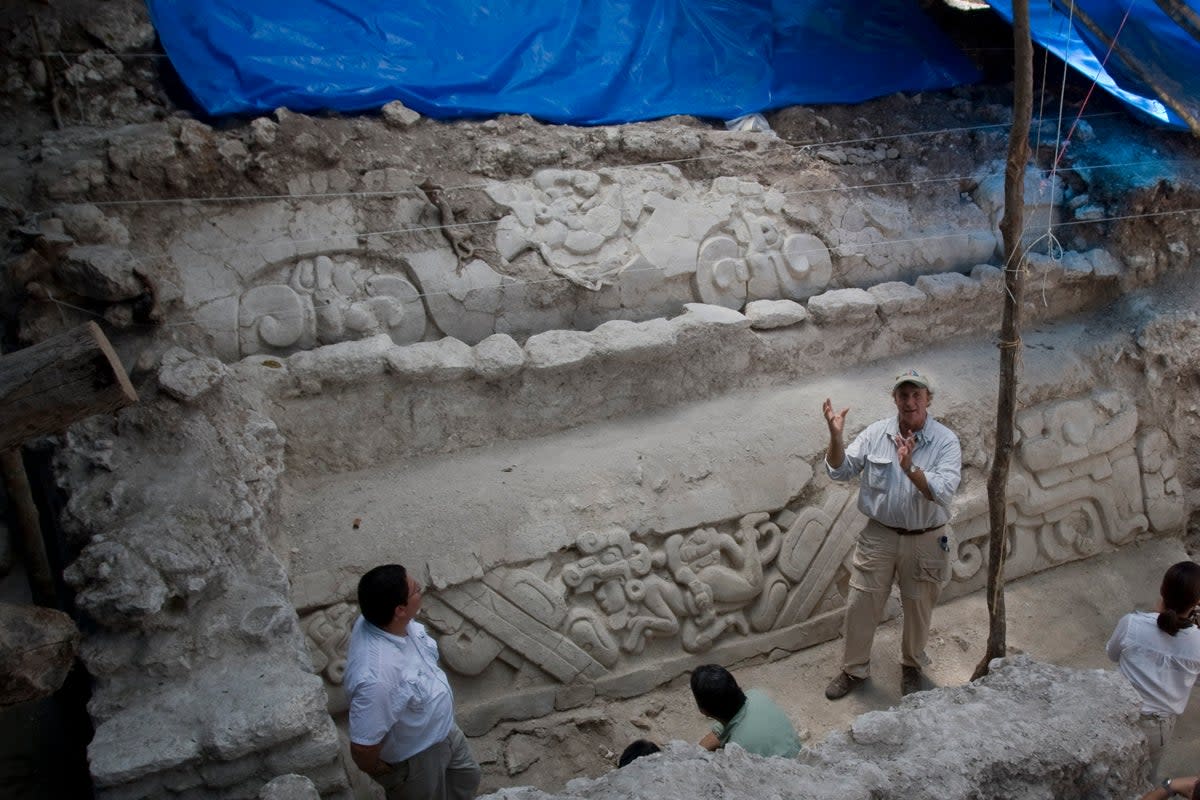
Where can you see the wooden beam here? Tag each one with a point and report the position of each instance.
(47, 387)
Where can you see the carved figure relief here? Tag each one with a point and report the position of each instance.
(589, 226)
(320, 301)
(765, 265)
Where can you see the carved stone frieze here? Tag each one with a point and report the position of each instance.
(618, 610)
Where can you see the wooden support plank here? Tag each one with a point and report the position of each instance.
(47, 387)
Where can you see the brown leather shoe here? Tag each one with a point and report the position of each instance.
(911, 680)
(841, 686)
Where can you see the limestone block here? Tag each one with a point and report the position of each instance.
(101, 272)
(1104, 264)
(948, 289)
(181, 779)
(989, 277)
(317, 747)
(37, 649)
(345, 362)
(141, 741)
(897, 297)
(289, 787)
(186, 376)
(766, 314)
(115, 584)
(703, 315)
(1163, 494)
(263, 131)
(622, 337)
(554, 349)
(446, 359)
(652, 143)
(398, 115)
(89, 225)
(498, 356)
(842, 307)
(120, 27)
(221, 774)
(267, 713)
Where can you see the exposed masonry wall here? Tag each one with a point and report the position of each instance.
(605, 560)
(204, 548)
(586, 413)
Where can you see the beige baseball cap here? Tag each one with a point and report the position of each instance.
(913, 377)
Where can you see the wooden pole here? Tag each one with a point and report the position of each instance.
(43, 389)
(29, 529)
(46, 387)
(1011, 226)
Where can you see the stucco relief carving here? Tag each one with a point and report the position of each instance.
(615, 603)
(732, 238)
(1076, 486)
(315, 302)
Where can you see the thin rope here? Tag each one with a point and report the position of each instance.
(465, 187)
(1111, 45)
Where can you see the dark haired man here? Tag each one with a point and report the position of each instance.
(911, 466)
(637, 749)
(402, 730)
(749, 719)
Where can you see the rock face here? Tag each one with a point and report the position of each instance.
(1026, 731)
(37, 649)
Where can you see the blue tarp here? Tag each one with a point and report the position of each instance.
(1154, 67)
(566, 61)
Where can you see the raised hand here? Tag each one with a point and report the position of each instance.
(904, 449)
(836, 420)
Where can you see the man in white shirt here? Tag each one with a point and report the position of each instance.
(911, 466)
(402, 730)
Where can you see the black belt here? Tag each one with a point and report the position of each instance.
(913, 532)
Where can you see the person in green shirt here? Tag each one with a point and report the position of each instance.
(749, 719)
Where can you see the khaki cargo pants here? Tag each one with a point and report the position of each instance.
(445, 771)
(921, 564)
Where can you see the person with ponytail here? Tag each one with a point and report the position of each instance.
(1159, 652)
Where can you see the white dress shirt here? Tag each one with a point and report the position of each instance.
(1163, 668)
(885, 493)
(398, 694)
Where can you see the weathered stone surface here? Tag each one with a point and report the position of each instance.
(37, 649)
(766, 314)
(398, 115)
(842, 307)
(703, 315)
(344, 362)
(554, 349)
(446, 359)
(101, 272)
(897, 297)
(120, 26)
(622, 337)
(1066, 734)
(289, 787)
(498, 356)
(948, 288)
(186, 376)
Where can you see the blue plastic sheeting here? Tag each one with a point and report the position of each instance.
(1067, 35)
(567, 61)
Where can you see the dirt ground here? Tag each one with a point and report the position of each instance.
(1063, 616)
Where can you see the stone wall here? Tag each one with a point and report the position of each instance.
(570, 376)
